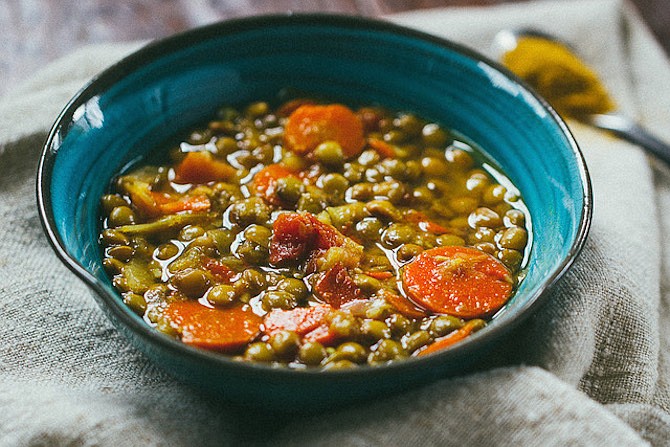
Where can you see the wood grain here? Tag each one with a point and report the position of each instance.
(35, 32)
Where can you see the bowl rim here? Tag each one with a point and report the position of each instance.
(158, 48)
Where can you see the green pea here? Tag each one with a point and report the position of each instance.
(259, 352)
(329, 153)
(333, 183)
(252, 253)
(190, 232)
(367, 284)
(257, 109)
(387, 350)
(409, 124)
(351, 351)
(433, 135)
(121, 252)
(422, 195)
(313, 201)
(484, 217)
(201, 136)
(191, 282)
(360, 191)
(445, 240)
(252, 281)
(121, 215)
(413, 170)
(290, 188)
(285, 343)
(514, 237)
(111, 201)
(113, 237)
(459, 158)
(511, 258)
(222, 238)
(258, 234)
(395, 136)
(369, 157)
(394, 168)
(399, 324)
(344, 325)
(407, 252)
(250, 210)
(445, 324)
(166, 251)
(225, 146)
(312, 353)
(483, 234)
(353, 172)
(494, 194)
(112, 266)
(369, 228)
(394, 191)
(463, 204)
(345, 216)
(434, 167)
(136, 302)
(486, 247)
(222, 295)
(416, 340)
(277, 299)
(375, 330)
(397, 234)
(293, 162)
(384, 210)
(295, 287)
(340, 364)
(514, 218)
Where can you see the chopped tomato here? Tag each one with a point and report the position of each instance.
(218, 329)
(199, 203)
(461, 281)
(295, 236)
(321, 334)
(336, 287)
(425, 224)
(310, 125)
(221, 272)
(201, 167)
(380, 275)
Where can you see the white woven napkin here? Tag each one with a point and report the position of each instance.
(590, 368)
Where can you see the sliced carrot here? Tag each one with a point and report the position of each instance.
(452, 338)
(402, 304)
(217, 329)
(300, 320)
(336, 287)
(384, 149)
(265, 182)
(199, 203)
(201, 167)
(310, 125)
(141, 196)
(380, 275)
(461, 281)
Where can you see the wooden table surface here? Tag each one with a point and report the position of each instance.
(35, 32)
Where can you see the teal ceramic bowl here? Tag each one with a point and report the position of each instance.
(171, 85)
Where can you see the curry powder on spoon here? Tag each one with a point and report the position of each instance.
(571, 87)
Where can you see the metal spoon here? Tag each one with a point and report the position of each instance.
(615, 122)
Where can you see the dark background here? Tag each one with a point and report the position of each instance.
(34, 32)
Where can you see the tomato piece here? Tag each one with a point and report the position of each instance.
(226, 330)
(461, 281)
(265, 182)
(310, 125)
(336, 287)
(296, 236)
(380, 275)
(300, 320)
(201, 167)
(425, 224)
(221, 272)
(321, 334)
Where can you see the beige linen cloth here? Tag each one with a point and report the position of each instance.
(589, 368)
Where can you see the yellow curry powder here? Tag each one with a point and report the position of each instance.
(571, 87)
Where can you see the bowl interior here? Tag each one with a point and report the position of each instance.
(173, 85)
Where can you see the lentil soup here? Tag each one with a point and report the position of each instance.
(316, 235)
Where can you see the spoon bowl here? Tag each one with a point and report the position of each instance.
(611, 120)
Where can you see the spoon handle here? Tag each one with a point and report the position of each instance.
(629, 130)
